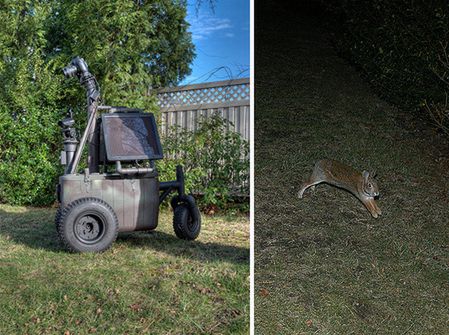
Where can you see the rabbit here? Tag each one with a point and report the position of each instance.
(362, 185)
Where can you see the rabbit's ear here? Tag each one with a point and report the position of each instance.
(365, 175)
(373, 173)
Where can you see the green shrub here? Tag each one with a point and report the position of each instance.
(29, 162)
(401, 47)
(215, 160)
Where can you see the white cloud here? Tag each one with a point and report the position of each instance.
(204, 26)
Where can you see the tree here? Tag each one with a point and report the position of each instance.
(129, 46)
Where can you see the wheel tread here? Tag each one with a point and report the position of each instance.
(63, 213)
(181, 231)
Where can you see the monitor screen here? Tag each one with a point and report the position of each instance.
(131, 136)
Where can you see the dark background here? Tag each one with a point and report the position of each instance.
(348, 81)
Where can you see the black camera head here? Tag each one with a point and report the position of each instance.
(70, 71)
(77, 66)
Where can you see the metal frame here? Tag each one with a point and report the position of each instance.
(91, 137)
(97, 204)
(170, 186)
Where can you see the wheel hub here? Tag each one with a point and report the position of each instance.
(88, 228)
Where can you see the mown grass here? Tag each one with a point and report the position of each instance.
(147, 283)
(322, 264)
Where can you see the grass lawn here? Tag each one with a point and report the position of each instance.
(323, 265)
(147, 283)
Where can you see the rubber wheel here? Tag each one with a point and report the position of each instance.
(87, 225)
(184, 224)
(57, 218)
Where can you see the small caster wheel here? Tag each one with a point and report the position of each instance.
(187, 222)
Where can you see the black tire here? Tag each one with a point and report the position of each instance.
(186, 224)
(87, 225)
(57, 218)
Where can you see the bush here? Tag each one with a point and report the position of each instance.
(29, 157)
(402, 49)
(215, 160)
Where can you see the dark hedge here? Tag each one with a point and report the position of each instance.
(402, 49)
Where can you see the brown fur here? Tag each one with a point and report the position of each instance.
(332, 172)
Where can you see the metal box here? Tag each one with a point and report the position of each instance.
(134, 200)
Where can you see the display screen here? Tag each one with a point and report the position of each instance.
(131, 136)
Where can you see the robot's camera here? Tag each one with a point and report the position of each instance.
(70, 71)
(76, 67)
(66, 123)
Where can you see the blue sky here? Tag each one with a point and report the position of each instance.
(221, 37)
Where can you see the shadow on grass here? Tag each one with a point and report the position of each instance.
(35, 229)
(168, 243)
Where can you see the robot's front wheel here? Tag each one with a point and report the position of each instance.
(87, 225)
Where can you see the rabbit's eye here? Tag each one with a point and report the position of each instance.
(370, 185)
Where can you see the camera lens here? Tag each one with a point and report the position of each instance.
(69, 71)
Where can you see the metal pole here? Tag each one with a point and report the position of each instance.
(92, 139)
(76, 159)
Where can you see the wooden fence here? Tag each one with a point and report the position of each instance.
(186, 105)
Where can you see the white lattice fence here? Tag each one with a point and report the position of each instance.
(186, 105)
(207, 93)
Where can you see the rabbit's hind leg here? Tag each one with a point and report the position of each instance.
(315, 178)
(310, 183)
